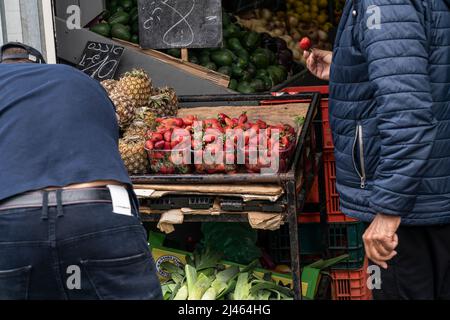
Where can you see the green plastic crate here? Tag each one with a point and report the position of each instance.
(343, 238)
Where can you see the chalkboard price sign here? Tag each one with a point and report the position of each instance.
(100, 60)
(165, 24)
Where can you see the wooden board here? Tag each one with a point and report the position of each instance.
(165, 24)
(272, 114)
(272, 190)
(192, 68)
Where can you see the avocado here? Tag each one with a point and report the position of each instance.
(193, 59)
(234, 44)
(222, 58)
(241, 63)
(233, 84)
(246, 76)
(103, 29)
(251, 69)
(174, 52)
(210, 65)
(135, 38)
(260, 60)
(226, 70)
(261, 73)
(236, 71)
(121, 31)
(258, 85)
(119, 17)
(126, 4)
(277, 73)
(245, 87)
(251, 40)
(204, 58)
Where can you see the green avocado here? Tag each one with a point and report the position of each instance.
(234, 44)
(222, 58)
(258, 85)
(121, 31)
(226, 70)
(174, 52)
(260, 60)
(135, 38)
(210, 65)
(119, 17)
(127, 5)
(251, 40)
(245, 87)
(236, 71)
(103, 29)
(233, 84)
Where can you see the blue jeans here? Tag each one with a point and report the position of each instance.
(80, 252)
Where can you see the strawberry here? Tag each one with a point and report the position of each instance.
(222, 118)
(261, 124)
(247, 125)
(189, 120)
(285, 142)
(166, 145)
(149, 145)
(228, 122)
(174, 143)
(305, 43)
(159, 145)
(156, 137)
(209, 138)
(168, 136)
(243, 118)
(235, 122)
(157, 155)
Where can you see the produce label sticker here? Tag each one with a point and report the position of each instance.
(120, 200)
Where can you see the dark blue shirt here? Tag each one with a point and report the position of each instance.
(57, 127)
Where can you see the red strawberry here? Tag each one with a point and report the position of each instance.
(209, 138)
(228, 122)
(223, 118)
(157, 155)
(149, 145)
(285, 142)
(166, 145)
(261, 124)
(168, 136)
(243, 118)
(305, 43)
(159, 145)
(156, 137)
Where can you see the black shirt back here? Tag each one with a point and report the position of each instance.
(57, 127)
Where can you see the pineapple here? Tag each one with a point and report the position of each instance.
(164, 103)
(125, 109)
(137, 86)
(109, 85)
(132, 146)
(134, 155)
(144, 120)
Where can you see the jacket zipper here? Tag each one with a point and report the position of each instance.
(358, 142)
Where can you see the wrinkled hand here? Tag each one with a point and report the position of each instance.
(318, 63)
(380, 239)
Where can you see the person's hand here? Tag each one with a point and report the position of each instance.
(318, 63)
(380, 239)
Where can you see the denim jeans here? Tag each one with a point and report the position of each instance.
(80, 252)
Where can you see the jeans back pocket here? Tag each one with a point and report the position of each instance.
(129, 278)
(14, 283)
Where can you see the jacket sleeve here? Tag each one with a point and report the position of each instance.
(397, 54)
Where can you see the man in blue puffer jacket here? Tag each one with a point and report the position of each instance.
(390, 115)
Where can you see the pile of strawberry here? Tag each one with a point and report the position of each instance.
(166, 145)
(208, 142)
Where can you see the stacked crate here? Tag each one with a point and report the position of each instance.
(343, 234)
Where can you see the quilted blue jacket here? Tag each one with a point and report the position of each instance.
(390, 110)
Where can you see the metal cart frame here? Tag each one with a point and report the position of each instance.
(295, 182)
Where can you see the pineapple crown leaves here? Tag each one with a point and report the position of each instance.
(138, 73)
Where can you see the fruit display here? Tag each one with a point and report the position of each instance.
(302, 18)
(120, 20)
(204, 277)
(255, 62)
(138, 105)
(219, 145)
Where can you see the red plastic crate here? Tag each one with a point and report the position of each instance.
(313, 194)
(350, 285)
(327, 135)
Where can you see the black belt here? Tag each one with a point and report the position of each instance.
(68, 197)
